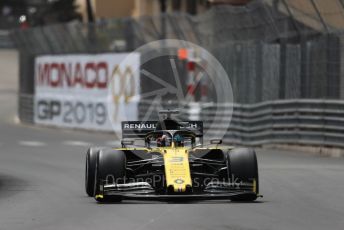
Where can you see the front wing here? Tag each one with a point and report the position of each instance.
(143, 191)
(238, 195)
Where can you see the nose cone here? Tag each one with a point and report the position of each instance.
(177, 170)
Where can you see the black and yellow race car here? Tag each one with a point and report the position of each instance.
(170, 163)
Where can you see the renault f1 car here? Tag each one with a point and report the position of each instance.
(171, 164)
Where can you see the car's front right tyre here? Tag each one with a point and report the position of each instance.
(110, 169)
(90, 168)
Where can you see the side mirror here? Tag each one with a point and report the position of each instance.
(126, 142)
(216, 141)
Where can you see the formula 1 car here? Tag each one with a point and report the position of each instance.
(171, 164)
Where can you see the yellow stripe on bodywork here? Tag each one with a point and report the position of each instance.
(177, 169)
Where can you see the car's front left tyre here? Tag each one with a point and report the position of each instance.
(243, 168)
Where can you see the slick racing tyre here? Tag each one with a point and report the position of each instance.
(244, 168)
(111, 168)
(91, 158)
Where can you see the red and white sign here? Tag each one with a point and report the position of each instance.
(87, 91)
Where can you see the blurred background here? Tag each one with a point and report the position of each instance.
(283, 57)
(285, 61)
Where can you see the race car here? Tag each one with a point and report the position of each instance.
(171, 163)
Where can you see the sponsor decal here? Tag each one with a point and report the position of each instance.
(190, 125)
(139, 126)
(176, 159)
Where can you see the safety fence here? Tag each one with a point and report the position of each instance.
(26, 108)
(302, 122)
(271, 50)
(5, 40)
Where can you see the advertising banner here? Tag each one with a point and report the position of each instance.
(87, 91)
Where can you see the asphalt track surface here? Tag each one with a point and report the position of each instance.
(42, 185)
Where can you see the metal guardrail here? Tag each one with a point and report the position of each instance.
(302, 122)
(5, 40)
(26, 108)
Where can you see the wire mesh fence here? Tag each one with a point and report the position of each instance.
(270, 49)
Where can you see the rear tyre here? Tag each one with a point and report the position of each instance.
(111, 168)
(243, 167)
(91, 158)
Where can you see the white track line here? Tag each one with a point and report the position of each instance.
(77, 143)
(31, 143)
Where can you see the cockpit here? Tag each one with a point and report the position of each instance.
(159, 139)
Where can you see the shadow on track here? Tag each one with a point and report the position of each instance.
(215, 202)
(10, 186)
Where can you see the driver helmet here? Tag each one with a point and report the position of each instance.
(162, 141)
(179, 140)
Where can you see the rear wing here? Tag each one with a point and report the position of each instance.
(139, 129)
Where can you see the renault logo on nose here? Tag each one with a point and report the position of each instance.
(179, 181)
